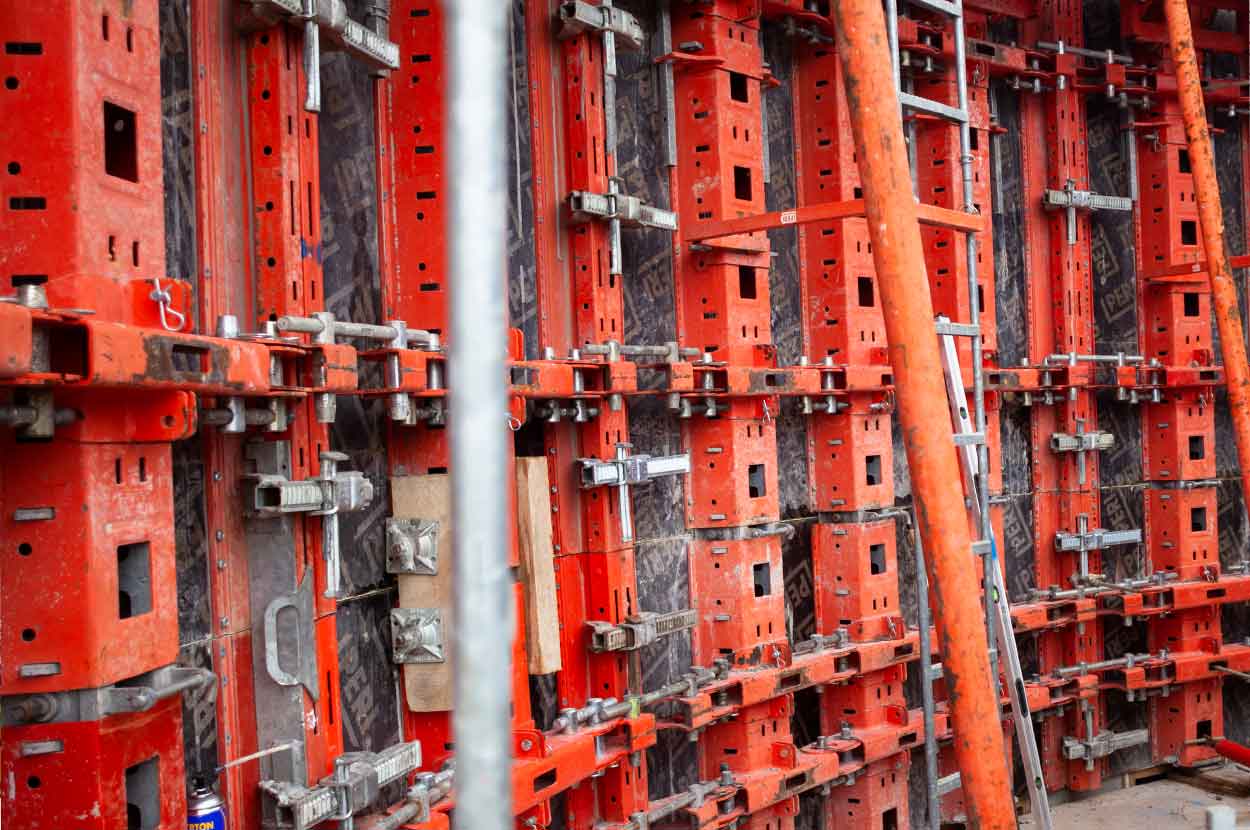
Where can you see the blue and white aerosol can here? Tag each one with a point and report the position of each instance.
(205, 809)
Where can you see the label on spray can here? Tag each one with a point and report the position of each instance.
(205, 809)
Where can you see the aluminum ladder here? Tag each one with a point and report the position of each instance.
(970, 442)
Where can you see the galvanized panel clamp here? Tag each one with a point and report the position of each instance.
(273, 494)
(330, 17)
(628, 470)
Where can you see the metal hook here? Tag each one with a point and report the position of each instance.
(164, 301)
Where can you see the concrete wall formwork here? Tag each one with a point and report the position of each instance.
(370, 699)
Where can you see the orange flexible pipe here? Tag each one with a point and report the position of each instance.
(1207, 192)
(921, 394)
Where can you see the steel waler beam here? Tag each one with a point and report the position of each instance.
(1207, 191)
(907, 305)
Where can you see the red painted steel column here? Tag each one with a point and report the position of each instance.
(1207, 191)
(907, 305)
(224, 281)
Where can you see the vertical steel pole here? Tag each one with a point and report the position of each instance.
(1207, 192)
(919, 386)
(932, 798)
(477, 48)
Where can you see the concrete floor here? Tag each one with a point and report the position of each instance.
(1174, 802)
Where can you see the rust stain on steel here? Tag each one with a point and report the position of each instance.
(920, 391)
(1211, 216)
(759, 381)
(159, 364)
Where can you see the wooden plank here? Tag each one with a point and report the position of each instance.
(428, 686)
(538, 575)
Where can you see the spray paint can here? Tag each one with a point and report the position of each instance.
(205, 809)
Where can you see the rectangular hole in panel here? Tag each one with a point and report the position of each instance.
(866, 293)
(760, 576)
(547, 779)
(1182, 161)
(746, 282)
(430, 286)
(143, 795)
(1204, 729)
(134, 579)
(872, 470)
(23, 48)
(1197, 519)
(190, 358)
(1189, 232)
(742, 183)
(28, 203)
(738, 89)
(1191, 304)
(755, 480)
(876, 559)
(1197, 448)
(121, 144)
(889, 819)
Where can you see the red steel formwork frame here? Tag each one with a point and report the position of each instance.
(91, 510)
(104, 394)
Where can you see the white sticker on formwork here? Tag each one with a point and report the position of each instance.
(789, 217)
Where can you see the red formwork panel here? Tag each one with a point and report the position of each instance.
(855, 568)
(852, 456)
(736, 588)
(88, 577)
(1182, 533)
(733, 463)
(86, 196)
(841, 308)
(939, 181)
(120, 771)
(91, 594)
(878, 798)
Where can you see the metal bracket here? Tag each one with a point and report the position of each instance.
(626, 470)
(411, 546)
(139, 694)
(299, 645)
(330, 17)
(640, 630)
(417, 635)
(578, 18)
(618, 209)
(1072, 200)
(1102, 744)
(1096, 539)
(629, 210)
(358, 778)
(272, 494)
(1080, 443)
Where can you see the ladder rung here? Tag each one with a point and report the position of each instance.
(969, 439)
(958, 329)
(981, 548)
(932, 107)
(939, 6)
(948, 783)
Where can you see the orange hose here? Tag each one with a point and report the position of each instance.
(921, 393)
